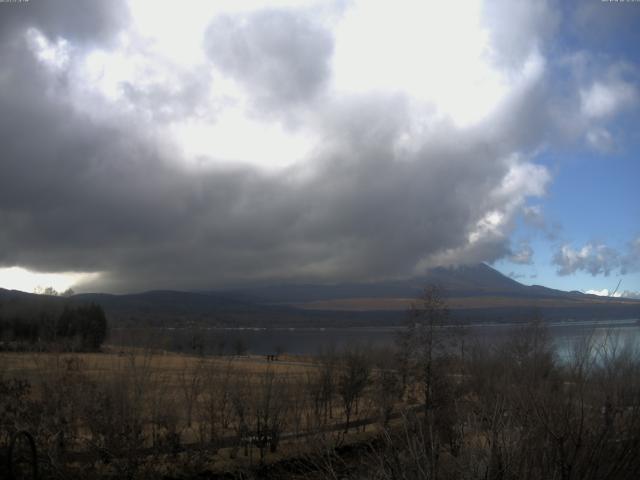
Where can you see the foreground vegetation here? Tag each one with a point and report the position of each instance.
(437, 406)
(29, 327)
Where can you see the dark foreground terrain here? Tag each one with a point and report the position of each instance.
(437, 406)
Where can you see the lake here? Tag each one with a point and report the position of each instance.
(309, 341)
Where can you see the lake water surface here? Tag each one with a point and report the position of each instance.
(309, 341)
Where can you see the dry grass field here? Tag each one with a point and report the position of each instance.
(117, 359)
(419, 412)
(235, 411)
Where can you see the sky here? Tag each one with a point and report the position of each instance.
(206, 144)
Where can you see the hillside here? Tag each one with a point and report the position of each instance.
(467, 285)
(474, 293)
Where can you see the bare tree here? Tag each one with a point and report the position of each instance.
(387, 387)
(216, 406)
(190, 379)
(354, 377)
(270, 410)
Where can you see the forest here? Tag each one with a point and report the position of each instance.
(73, 328)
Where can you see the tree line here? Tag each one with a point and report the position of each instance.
(75, 327)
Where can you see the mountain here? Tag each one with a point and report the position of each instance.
(472, 280)
(18, 303)
(473, 293)
(475, 281)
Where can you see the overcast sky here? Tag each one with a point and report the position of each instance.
(205, 144)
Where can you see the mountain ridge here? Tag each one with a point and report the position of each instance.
(475, 280)
(476, 292)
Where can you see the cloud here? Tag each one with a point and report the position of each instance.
(79, 22)
(600, 139)
(604, 293)
(523, 256)
(594, 90)
(95, 178)
(518, 28)
(605, 99)
(104, 192)
(281, 56)
(631, 294)
(181, 95)
(598, 259)
(533, 215)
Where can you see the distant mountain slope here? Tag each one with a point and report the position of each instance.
(14, 303)
(466, 281)
(170, 307)
(469, 280)
(158, 308)
(168, 301)
(475, 293)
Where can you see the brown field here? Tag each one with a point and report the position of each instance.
(136, 413)
(117, 359)
(176, 378)
(194, 403)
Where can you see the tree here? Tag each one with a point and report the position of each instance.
(352, 381)
(95, 331)
(86, 324)
(425, 345)
(424, 340)
(190, 379)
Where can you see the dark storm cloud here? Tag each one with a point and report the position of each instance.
(281, 55)
(80, 195)
(163, 102)
(77, 21)
(109, 193)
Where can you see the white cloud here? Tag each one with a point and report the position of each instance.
(17, 278)
(600, 139)
(598, 259)
(606, 99)
(518, 29)
(400, 47)
(604, 293)
(595, 89)
(595, 259)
